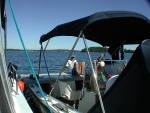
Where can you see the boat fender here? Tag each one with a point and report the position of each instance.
(21, 86)
(102, 63)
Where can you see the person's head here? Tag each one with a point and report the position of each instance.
(72, 57)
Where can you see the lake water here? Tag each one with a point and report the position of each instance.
(55, 62)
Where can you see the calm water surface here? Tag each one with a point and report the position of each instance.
(55, 60)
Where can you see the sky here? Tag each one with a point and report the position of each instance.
(38, 17)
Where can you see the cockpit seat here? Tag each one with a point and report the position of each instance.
(68, 90)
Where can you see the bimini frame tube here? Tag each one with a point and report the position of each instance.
(66, 61)
(94, 74)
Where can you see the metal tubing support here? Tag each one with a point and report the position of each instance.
(45, 62)
(16, 85)
(66, 61)
(98, 90)
(95, 67)
(46, 45)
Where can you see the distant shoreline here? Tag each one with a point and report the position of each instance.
(39, 50)
(91, 49)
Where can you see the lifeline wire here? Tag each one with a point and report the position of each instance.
(10, 3)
